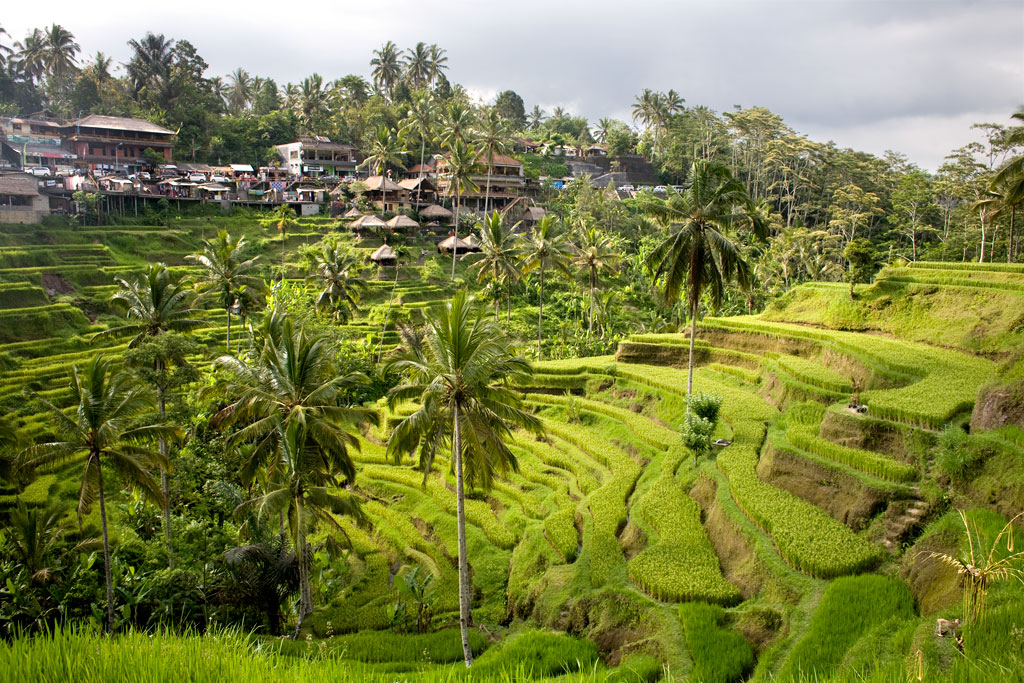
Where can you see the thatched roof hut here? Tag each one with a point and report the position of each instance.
(435, 212)
(353, 213)
(369, 221)
(402, 222)
(453, 243)
(384, 256)
(378, 183)
(472, 243)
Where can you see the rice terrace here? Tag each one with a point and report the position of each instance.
(380, 377)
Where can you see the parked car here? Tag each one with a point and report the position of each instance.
(626, 188)
(219, 179)
(144, 175)
(660, 189)
(38, 171)
(197, 178)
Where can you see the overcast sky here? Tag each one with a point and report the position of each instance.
(908, 75)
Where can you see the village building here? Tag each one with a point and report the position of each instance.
(500, 181)
(34, 143)
(20, 199)
(318, 156)
(117, 144)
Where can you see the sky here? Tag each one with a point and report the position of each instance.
(906, 75)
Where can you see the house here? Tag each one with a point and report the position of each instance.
(422, 189)
(386, 194)
(500, 181)
(117, 143)
(526, 146)
(34, 142)
(20, 199)
(317, 156)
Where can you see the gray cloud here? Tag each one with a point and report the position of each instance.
(907, 75)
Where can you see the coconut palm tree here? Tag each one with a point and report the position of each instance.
(337, 273)
(150, 65)
(240, 90)
(499, 248)
(460, 375)
(5, 51)
(1006, 190)
(288, 407)
(31, 55)
(419, 122)
(462, 166)
(156, 303)
(603, 126)
(698, 256)
(418, 65)
(107, 427)
(536, 117)
(284, 218)
(456, 124)
(492, 135)
(387, 149)
(225, 274)
(61, 57)
(595, 253)
(438, 62)
(312, 104)
(387, 67)
(546, 248)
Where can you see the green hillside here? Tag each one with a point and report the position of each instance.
(801, 549)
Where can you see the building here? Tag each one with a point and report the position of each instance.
(318, 156)
(20, 199)
(116, 143)
(501, 181)
(34, 142)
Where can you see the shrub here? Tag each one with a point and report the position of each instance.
(955, 455)
(537, 654)
(705, 406)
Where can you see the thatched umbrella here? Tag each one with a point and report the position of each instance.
(369, 221)
(453, 243)
(402, 222)
(472, 243)
(384, 256)
(353, 213)
(435, 212)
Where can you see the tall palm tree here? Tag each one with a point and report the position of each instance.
(337, 273)
(698, 256)
(419, 122)
(284, 218)
(156, 303)
(387, 67)
(546, 248)
(603, 126)
(595, 253)
(5, 51)
(226, 274)
(105, 429)
(456, 124)
(417, 65)
(150, 65)
(387, 149)
(312, 104)
(460, 375)
(31, 55)
(240, 90)
(493, 139)
(462, 166)
(499, 248)
(536, 117)
(438, 62)
(61, 57)
(1006, 189)
(289, 407)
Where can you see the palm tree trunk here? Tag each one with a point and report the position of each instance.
(419, 186)
(465, 593)
(1009, 244)
(455, 246)
(228, 346)
(108, 579)
(165, 485)
(380, 347)
(540, 313)
(693, 335)
(508, 302)
(590, 325)
(305, 592)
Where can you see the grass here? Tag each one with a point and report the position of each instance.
(719, 655)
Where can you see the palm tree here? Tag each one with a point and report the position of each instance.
(311, 103)
(492, 139)
(438, 62)
(698, 256)
(32, 55)
(456, 124)
(225, 274)
(156, 303)
(240, 90)
(4, 50)
(419, 122)
(1007, 185)
(603, 126)
(417, 65)
(61, 56)
(105, 428)
(462, 166)
(536, 117)
(499, 247)
(546, 248)
(387, 67)
(337, 273)
(595, 253)
(34, 535)
(150, 65)
(284, 218)
(386, 150)
(461, 376)
(288, 406)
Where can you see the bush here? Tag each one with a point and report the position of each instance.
(705, 406)
(538, 654)
(955, 454)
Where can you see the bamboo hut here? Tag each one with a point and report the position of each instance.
(384, 256)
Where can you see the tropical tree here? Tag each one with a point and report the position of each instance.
(288, 407)
(418, 67)
(419, 122)
(460, 376)
(386, 67)
(225, 274)
(438, 62)
(284, 218)
(698, 256)
(462, 166)
(311, 104)
(499, 249)
(492, 135)
(547, 248)
(1007, 185)
(456, 124)
(536, 117)
(108, 427)
(156, 303)
(337, 273)
(240, 90)
(595, 254)
(150, 64)
(386, 150)
(33, 535)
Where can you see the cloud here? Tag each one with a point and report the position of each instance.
(871, 74)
